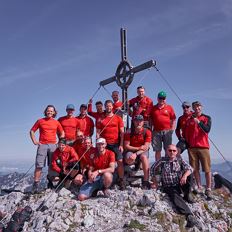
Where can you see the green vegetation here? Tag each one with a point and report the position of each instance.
(135, 224)
(179, 220)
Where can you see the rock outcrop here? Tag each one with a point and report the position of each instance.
(131, 210)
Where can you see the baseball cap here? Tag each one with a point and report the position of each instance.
(185, 103)
(70, 107)
(101, 140)
(83, 106)
(196, 103)
(138, 117)
(62, 140)
(162, 94)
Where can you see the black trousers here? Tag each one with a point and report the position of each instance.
(174, 192)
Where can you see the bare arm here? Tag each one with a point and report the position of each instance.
(33, 138)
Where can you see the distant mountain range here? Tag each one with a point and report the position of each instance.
(6, 167)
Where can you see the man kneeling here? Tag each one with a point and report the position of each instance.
(176, 178)
(65, 163)
(137, 144)
(100, 174)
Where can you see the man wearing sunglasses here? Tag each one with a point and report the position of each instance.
(181, 123)
(176, 178)
(163, 123)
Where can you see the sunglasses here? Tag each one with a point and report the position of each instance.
(186, 107)
(162, 98)
(170, 150)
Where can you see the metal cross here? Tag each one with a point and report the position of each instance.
(125, 71)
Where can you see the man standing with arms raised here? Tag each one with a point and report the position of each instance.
(111, 128)
(141, 105)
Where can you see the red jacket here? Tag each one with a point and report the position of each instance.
(65, 157)
(196, 134)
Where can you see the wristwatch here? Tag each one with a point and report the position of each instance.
(99, 171)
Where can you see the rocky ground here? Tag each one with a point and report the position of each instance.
(131, 210)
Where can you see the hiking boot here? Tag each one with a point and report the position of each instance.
(35, 187)
(189, 198)
(208, 194)
(94, 194)
(146, 185)
(50, 185)
(121, 184)
(191, 221)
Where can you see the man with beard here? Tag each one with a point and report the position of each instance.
(100, 174)
(86, 123)
(136, 144)
(111, 128)
(141, 105)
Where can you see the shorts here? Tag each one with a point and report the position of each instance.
(44, 151)
(182, 145)
(139, 153)
(114, 148)
(158, 137)
(197, 156)
(88, 189)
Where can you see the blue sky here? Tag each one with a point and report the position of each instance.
(57, 51)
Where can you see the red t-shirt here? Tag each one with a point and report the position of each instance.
(86, 157)
(66, 156)
(141, 106)
(103, 161)
(95, 115)
(161, 118)
(117, 105)
(181, 123)
(137, 140)
(70, 126)
(48, 129)
(110, 128)
(86, 125)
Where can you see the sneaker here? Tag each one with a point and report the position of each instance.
(145, 185)
(189, 198)
(121, 184)
(191, 221)
(208, 194)
(35, 187)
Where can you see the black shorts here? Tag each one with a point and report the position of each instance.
(114, 148)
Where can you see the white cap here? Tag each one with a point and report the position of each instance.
(101, 140)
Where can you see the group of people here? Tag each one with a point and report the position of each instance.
(98, 168)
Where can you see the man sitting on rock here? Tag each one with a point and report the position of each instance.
(136, 143)
(65, 159)
(176, 178)
(100, 175)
